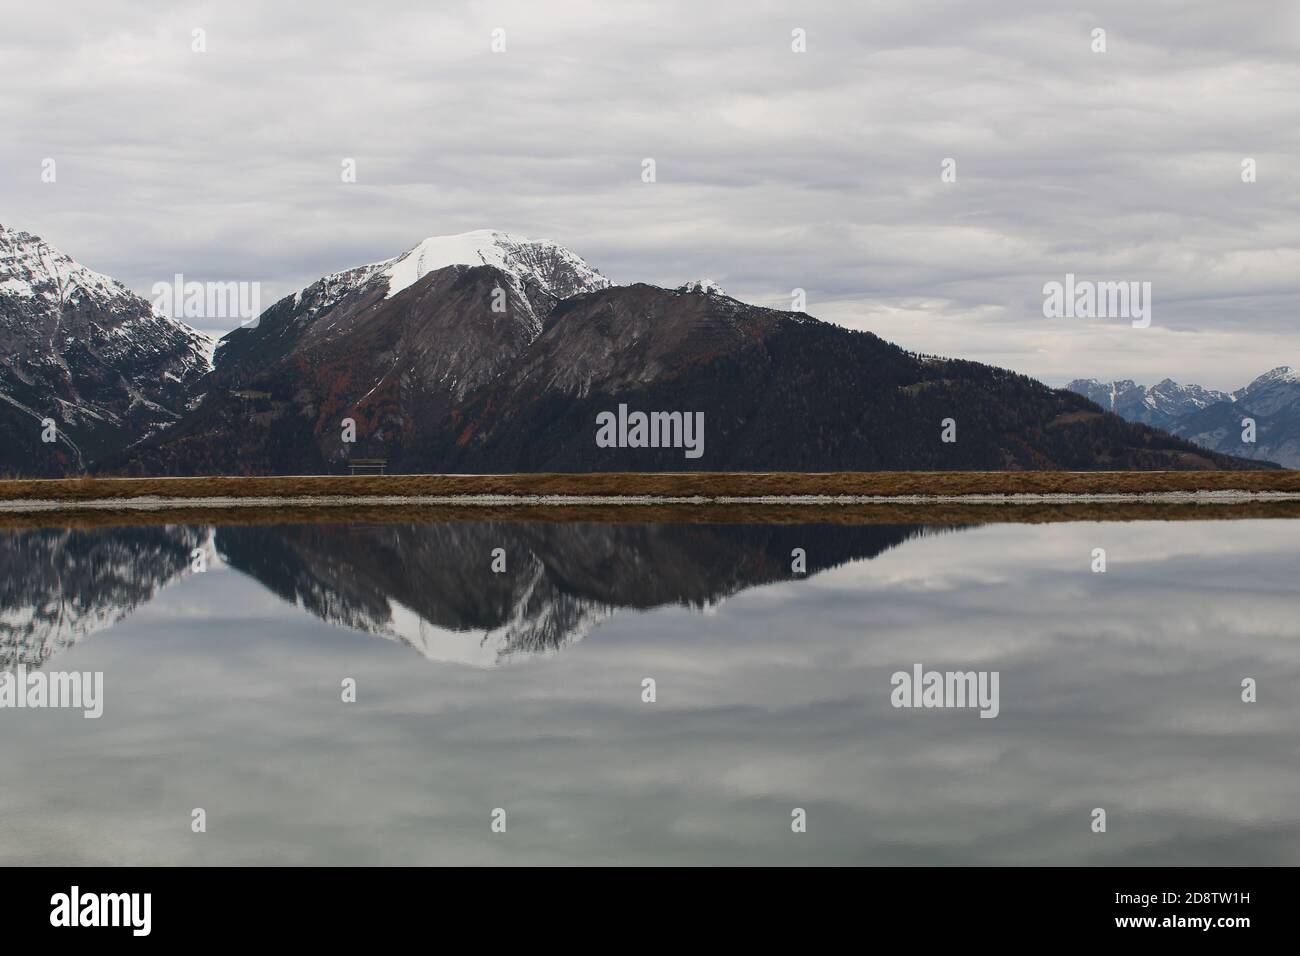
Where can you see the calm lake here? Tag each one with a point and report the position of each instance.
(523, 690)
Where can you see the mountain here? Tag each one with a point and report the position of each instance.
(1213, 419)
(83, 350)
(489, 352)
(777, 390)
(535, 274)
(389, 345)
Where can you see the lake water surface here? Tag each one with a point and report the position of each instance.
(523, 691)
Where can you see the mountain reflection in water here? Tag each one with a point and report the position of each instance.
(1120, 690)
(429, 585)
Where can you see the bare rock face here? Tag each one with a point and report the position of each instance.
(82, 350)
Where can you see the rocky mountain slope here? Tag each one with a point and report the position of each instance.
(81, 350)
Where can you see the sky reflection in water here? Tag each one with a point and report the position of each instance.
(523, 691)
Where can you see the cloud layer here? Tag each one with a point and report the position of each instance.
(776, 170)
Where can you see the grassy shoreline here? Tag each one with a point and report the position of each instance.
(694, 485)
(897, 498)
(937, 513)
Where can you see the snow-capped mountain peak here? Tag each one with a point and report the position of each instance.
(540, 271)
(1157, 404)
(1283, 373)
(1275, 390)
(535, 263)
(32, 268)
(706, 286)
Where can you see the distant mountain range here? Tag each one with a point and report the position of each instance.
(487, 352)
(1210, 418)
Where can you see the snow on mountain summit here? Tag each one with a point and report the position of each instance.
(1283, 373)
(535, 263)
(707, 286)
(540, 271)
(32, 268)
(1276, 390)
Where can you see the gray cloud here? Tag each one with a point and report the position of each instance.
(776, 170)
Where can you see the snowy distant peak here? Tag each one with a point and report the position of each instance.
(1160, 405)
(534, 263)
(1283, 373)
(1167, 395)
(1211, 418)
(1275, 390)
(32, 268)
(706, 286)
(1190, 396)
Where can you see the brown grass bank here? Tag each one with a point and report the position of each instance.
(91, 502)
(709, 485)
(943, 513)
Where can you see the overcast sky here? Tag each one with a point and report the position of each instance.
(775, 169)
